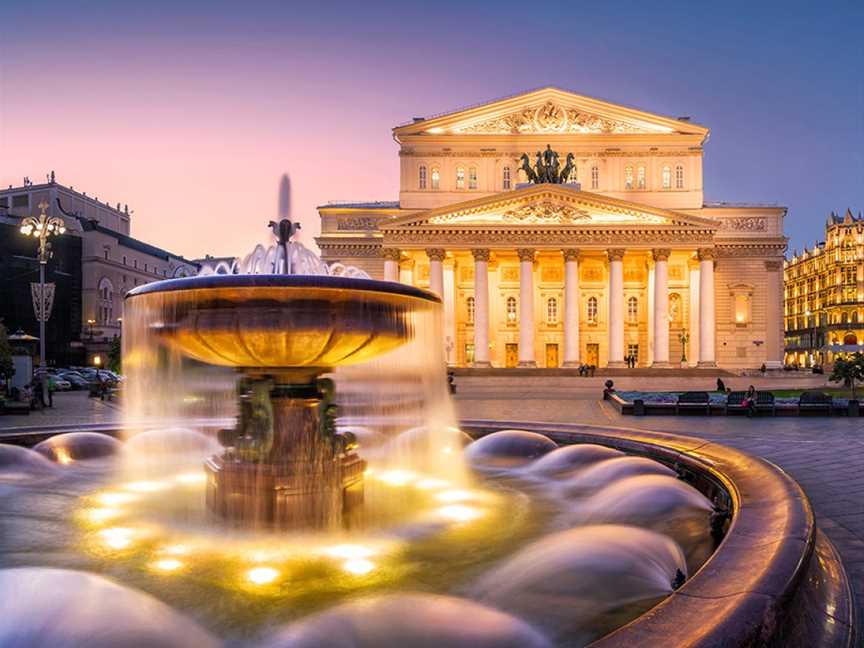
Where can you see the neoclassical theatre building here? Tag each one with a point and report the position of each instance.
(561, 230)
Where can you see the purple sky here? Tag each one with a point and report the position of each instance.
(190, 112)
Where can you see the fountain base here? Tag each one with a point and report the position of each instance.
(285, 467)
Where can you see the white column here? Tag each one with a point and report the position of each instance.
(526, 308)
(436, 270)
(450, 312)
(616, 308)
(693, 330)
(774, 332)
(481, 308)
(661, 308)
(391, 264)
(706, 308)
(571, 308)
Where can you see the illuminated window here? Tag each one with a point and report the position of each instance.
(640, 177)
(460, 178)
(595, 177)
(506, 177)
(667, 177)
(742, 304)
(633, 351)
(422, 176)
(632, 310)
(592, 310)
(436, 178)
(628, 177)
(511, 310)
(469, 353)
(551, 311)
(679, 176)
(469, 307)
(472, 178)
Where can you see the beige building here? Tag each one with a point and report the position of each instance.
(622, 258)
(112, 261)
(825, 295)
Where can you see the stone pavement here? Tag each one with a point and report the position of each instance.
(824, 455)
(70, 408)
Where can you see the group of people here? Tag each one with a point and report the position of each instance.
(631, 361)
(587, 370)
(37, 391)
(750, 397)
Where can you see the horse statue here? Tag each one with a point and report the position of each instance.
(567, 170)
(526, 167)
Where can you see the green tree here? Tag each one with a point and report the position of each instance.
(848, 370)
(115, 355)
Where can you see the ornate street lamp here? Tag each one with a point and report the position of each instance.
(684, 339)
(42, 227)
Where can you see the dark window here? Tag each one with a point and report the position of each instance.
(21, 200)
(4, 201)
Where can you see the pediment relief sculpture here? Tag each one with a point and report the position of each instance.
(549, 213)
(551, 117)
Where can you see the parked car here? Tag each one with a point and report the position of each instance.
(59, 384)
(76, 380)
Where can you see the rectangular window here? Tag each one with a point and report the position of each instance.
(506, 177)
(472, 178)
(422, 180)
(135, 263)
(633, 351)
(595, 177)
(4, 201)
(106, 255)
(667, 177)
(21, 200)
(469, 353)
(124, 259)
(679, 176)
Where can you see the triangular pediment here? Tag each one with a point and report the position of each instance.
(547, 205)
(550, 111)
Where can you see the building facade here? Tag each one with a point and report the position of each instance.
(622, 257)
(824, 295)
(109, 262)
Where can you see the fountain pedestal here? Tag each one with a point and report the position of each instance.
(284, 467)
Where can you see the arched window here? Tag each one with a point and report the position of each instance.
(506, 182)
(472, 178)
(469, 308)
(511, 310)
(850, 338)
(106, 301)
(552, 311)
(460, 178)
(595, 177)
(675, 307)
(421, 181)
(632, 310)
(667, 177)
(640, 177)
(679, 176)
(628, 177)
(436, 178)
(592, 310)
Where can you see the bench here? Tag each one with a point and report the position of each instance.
(695, 401)
(815, 401)
(764, 402)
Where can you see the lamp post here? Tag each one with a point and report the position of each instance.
(684, 338)
(42, 227)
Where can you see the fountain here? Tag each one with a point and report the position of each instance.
(291, 474)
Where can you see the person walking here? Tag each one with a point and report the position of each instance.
(52, 385)
(39, 392)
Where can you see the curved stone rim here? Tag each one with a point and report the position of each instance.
(745, 592)
(283, 281)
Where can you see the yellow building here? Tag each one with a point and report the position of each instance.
(620, 256)
(824, 295)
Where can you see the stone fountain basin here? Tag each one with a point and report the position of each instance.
(283, 321)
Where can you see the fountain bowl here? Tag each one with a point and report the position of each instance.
(283, 323)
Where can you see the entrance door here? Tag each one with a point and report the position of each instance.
(551, 355)
(511, 355)
(592, 354)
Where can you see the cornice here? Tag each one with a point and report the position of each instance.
(514, 154)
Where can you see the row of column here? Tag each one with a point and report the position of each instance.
(571, 304)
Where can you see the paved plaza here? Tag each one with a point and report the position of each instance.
(825, 455)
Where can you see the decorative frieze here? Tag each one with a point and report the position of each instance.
(340, 250)
(773, 265)
(744, 224)
(357, 223)
(545, 213)
(549, 238)
(551, 118)
(514, 155)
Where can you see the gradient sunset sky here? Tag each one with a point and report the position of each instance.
(190, 112)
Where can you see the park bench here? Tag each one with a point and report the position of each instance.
(764, 402)
(815, 401)
(696, 401)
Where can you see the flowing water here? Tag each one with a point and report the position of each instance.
(510, 542)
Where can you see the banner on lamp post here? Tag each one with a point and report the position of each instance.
(42, 301)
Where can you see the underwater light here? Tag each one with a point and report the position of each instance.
(102, 514)
(262, 575)
(116, 537)
(350, 551)
(112, 499)
(460, 513)
(397, 477)
(358, 566)
(167, 565)
(455, 496)
(431, 484)
(151, 486)
(191, 478)
(175, 550)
